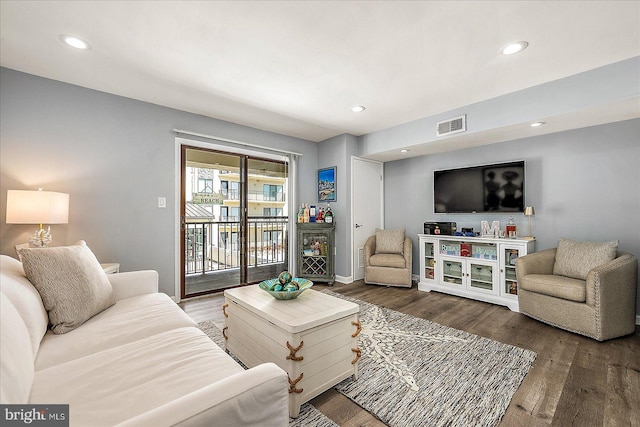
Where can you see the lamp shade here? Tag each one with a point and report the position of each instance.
(529, 211)
(37, 207)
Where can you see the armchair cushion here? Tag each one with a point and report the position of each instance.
(387, 260)
(555, 286)
(576, 259)
(390, 241)
(72, 284)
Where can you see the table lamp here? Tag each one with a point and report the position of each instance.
(37, 207)
(529, 211)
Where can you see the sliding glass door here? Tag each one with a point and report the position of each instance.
(233, 220)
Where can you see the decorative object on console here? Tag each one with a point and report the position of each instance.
(37, 207)
(445, 228)
(511, 231)
(290, 290)
(529, 211)
(494, 231)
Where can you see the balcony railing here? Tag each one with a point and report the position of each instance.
(215, 246)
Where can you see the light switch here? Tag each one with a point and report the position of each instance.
(162, 202)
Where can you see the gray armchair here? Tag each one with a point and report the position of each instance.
(600, 303)
(390, 261)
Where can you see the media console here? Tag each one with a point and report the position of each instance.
(479, 268)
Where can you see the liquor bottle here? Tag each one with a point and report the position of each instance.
(306, 213)
(301, 214)
(328, 216)
(510, 229)
(320, 217)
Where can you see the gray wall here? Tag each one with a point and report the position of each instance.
(584, 185)
(114, 156)
(337, 152)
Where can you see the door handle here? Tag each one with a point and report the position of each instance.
(359, 225)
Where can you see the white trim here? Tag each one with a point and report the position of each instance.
(177, 220)
(292, 196)
(353, 222)
(187, 134)
(344, 279)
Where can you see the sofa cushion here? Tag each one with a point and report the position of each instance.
(72, 284)
(555, 286)
(114, 385)
(127, 321)
(390, 241)
(16, 355)
(387, 260)
(576, 259)
(25, 298)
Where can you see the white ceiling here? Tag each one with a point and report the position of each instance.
(297, 68)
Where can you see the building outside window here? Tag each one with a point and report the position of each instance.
(205, 185)
(272, 211)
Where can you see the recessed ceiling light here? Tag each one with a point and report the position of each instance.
(75, 42)
(536, 124)
(514, 47)
(358, 109)
(404, 150)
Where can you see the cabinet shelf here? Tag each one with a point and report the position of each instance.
(483, 285)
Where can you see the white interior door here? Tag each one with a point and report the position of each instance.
(367, 190)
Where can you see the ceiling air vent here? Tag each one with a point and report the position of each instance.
(446, 127)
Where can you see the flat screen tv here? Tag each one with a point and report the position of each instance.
(485, 188)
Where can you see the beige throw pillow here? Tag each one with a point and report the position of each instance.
(576, 259)
(72, 284)
(390, 241)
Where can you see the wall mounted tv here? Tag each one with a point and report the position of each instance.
(486, 188)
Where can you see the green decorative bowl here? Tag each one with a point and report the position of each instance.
(302, 285)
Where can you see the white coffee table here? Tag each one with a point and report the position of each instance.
(313, 338)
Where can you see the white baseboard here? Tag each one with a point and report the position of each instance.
(344, 279)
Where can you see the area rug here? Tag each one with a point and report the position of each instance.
(309, 415)
(414, 372)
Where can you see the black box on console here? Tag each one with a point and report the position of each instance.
(446, 228)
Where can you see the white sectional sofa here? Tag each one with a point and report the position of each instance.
(140, 362)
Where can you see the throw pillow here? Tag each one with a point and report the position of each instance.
(576, 259)
(72, 284)
(390, 241)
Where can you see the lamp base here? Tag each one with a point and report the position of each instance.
(41, 238)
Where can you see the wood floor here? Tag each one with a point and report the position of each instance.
(575, 381)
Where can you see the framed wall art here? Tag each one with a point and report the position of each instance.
(327, 185)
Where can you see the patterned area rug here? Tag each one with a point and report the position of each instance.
(414, 372)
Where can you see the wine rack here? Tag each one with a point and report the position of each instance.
(316, 249)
